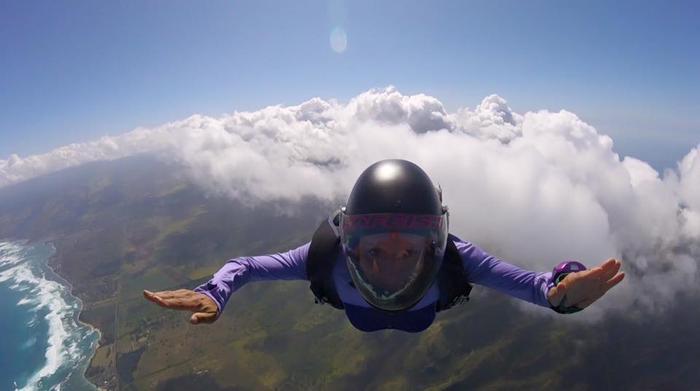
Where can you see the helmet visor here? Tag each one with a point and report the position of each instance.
(393, 258)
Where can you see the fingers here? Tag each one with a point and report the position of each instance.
(157, 297)
(598, 293)
(181, 304)
(596, 272)
(169, 294)
(203, 317)
(178, 300)
(610, 269)
(614, 281)
(609, 263)
(602, 273)
(204, 308)
(150, 296)
(609, 275)
(153, 297)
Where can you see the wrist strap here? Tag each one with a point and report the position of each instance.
(558, 274)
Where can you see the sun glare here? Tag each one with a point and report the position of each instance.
(339, 40)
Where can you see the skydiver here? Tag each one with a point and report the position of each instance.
(388, 260)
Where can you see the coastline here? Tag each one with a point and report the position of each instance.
(77, 316)
(100, 377)
(69, 343)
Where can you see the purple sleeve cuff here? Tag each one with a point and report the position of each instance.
(545, 286)
(220, 296)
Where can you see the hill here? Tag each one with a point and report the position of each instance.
(123, 226)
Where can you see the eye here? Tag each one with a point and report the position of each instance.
(374, 252)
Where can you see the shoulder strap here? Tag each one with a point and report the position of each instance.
(452, 279)
(323, 253)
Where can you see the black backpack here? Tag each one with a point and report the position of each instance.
(452, 278)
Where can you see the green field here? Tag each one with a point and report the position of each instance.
(125, 226)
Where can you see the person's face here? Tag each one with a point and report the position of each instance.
(390, 260)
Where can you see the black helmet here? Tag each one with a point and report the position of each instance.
(394, 233)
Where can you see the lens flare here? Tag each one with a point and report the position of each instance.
(339, 40)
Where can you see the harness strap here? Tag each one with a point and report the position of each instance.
(452, 279)
(323, 251)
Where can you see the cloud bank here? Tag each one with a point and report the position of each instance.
(533, 188)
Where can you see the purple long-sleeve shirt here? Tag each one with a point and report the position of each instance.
(482, 269)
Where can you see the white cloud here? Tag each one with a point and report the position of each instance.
(534, 188)
(388, 106)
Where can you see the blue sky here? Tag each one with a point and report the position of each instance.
(74, 71)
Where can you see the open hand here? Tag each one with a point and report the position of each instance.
(203, 307)
(582, 288)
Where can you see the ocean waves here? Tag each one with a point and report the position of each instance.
(67, 344)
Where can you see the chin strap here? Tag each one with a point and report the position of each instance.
(558, 274)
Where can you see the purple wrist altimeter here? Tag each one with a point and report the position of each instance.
(560, 271)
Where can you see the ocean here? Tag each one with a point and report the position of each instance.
(42, 344)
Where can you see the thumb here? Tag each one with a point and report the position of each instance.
(556, 295)
(203, 317)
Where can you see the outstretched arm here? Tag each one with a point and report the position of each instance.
(290, 265)
(578, 289)
(207, 301)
